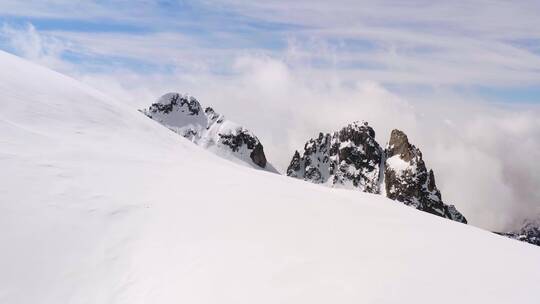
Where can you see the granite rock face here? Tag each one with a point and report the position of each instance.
(352, 158)
(184, 115)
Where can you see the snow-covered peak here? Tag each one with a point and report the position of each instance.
(184, 115)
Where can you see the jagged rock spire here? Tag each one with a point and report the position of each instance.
(352, 158)
(347, 158)
(407, 179)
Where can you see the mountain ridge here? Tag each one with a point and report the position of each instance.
(183, 114)
(529, 232)
(352, 158)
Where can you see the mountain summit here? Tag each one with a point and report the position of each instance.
(349, 158)
(407, 180)
(352, 158)
(184, 115)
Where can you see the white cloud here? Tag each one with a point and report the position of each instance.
(28, 43)
(401, 43)
(461, 42)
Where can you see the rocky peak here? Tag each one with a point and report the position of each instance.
(352, 158)
(174, 101)
(183, 114)
(347, 158)
(529, 232)
(399, 145)
(407, 179)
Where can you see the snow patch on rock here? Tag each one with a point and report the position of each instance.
(184, 115)
(399, 165)
(349, 158)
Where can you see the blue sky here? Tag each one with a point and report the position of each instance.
(477, 48)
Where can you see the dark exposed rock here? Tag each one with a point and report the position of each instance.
(399, 145)
(184, 115)
(530, 233)
(407, 179)
(294, 167)
(243, 137)
(169, 101)
(349, 157)
(257, 156)
(235, 141)
(352, 158)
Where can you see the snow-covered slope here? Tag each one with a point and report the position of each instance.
(101, 205)
(184, 115)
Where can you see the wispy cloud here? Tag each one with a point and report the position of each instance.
(464, 43)
(27, 42)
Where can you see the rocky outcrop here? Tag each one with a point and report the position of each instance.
(529, 232)
(184, 115)
(257, 155)
(243, 138)
(352, 158)
(407, 180)
(349, 158)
